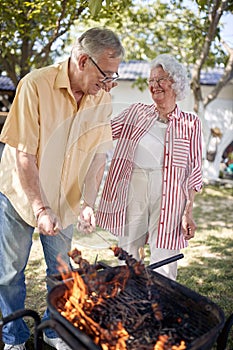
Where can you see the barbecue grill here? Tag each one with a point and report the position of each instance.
(186, 314)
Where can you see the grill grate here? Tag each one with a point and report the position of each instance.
(186, 315)
(199, 315)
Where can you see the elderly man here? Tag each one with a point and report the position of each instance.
(56, 137)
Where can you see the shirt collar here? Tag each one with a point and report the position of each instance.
(174, 114)
(62, 78)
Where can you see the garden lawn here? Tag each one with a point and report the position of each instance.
(207, 266)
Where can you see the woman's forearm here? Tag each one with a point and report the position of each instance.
(190, 201)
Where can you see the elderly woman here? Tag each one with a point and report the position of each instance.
(155, 170)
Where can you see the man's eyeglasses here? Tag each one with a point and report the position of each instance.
(106, 78)
(159, 81)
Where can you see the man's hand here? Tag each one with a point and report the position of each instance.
(86, 221)
(48, 223)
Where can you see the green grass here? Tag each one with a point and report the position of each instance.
(207, 266)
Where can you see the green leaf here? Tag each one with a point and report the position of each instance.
(95, 7)
(108, 3)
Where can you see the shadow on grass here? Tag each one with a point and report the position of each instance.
(211, 274)
(213, 209)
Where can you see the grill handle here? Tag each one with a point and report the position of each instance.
(165, 261)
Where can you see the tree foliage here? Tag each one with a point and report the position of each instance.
(34, 31)
(192, 34)
(31, 29)
(212, 45)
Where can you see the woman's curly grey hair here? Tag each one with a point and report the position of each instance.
(176, 71)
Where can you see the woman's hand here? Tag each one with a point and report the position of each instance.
(188, 226)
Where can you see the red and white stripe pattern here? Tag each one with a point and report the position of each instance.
(181, 170)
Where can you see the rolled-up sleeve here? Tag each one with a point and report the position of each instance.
(118, 122)
(195, 178)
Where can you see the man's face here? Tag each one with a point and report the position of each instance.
(99, 74)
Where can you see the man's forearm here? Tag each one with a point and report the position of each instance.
(29, 178)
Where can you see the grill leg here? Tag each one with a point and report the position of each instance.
(22, 313)
(223, 337)
(70, 339)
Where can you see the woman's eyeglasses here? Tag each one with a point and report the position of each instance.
(159, 81)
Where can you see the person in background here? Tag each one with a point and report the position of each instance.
(56, 137)
(155, 170)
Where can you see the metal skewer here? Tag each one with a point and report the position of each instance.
(105, 240)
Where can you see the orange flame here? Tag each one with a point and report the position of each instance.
(164, 344)
(80, 299)
(79, 304)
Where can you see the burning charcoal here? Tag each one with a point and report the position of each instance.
(157, 311)
(120, 307)
(166, 342)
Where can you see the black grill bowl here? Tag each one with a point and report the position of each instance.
(205, 319)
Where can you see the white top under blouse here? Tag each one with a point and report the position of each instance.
(149, 153)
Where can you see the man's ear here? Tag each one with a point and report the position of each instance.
(82, 61)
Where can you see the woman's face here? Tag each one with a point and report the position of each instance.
(160, 86)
